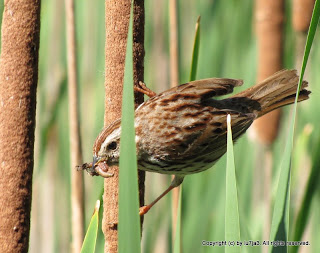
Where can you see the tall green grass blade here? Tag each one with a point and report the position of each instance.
(312, 186)
(89, 243)
(280, 219)
(195, 52)
(232, 224)
(129, 221)
(303, 213)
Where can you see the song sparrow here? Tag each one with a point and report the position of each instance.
(183, 130)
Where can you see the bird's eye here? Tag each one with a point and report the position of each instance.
(112, 145)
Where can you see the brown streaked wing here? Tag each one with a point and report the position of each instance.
(214, 137)
(205, 88)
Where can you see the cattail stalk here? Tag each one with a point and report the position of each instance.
(117, 23)
(301, 16)
(18, 85)
(269, 29)
(174, 81)
(77, 183)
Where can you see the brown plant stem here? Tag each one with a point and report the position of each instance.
(174, 81)
(301, 16)
(77, 183)
(174, 50)
(18, 84)
(138, 74)
(117, 21)
(269, 29)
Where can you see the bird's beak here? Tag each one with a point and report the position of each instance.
(94, 161)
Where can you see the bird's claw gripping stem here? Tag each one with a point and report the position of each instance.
(144, 89)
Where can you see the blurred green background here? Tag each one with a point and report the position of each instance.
(227, 49)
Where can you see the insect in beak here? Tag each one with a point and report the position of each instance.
(96, 168)
(99, 167)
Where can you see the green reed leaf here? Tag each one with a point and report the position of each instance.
(89, 243)
(311, 189)
(232, 224)
(195, 52)
(129, 221)
(280, 219)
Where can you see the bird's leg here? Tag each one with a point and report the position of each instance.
(175, 182)
(144, 89)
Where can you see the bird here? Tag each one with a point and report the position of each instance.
(183, 130)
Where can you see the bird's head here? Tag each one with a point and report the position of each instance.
(106, 149)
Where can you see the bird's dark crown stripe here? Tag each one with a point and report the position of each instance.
(103, 135)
